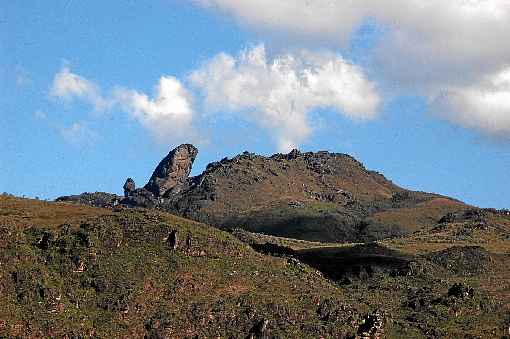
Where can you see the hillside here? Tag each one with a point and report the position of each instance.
(322, 196)
(327, 197)
(75, 271)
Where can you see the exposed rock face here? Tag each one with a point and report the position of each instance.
(318, 196)
(97, 199)
(129, 187)
(172, 172)
(172, 239)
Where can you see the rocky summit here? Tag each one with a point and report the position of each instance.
(291, 254)
(317, 196)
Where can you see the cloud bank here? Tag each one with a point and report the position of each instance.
(484, 106)
(280, 93)
(457, 30)
(456, 49)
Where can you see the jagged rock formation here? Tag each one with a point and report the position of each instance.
(173, 171)
(318, 196)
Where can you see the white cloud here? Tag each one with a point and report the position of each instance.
(323, 18)
(280, 93)
(453, 31)
(69, 86)
(78, 134)
(484, 106)
(441, 43)
(430, 46)
(168, 116)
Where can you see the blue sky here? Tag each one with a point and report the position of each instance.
(388, 110)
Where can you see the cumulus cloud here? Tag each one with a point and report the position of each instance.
(455, 30)
(168, 115)
(484, 106)
(322, 18)
(432, 46)
(280, 93)
(70, 86)
(440, 43)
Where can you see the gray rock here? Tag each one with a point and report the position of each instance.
(172, 240)
(173, 171)
(129, 187)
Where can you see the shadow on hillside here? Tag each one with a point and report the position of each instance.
(360, 262)
(345, 264)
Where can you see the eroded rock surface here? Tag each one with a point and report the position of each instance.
(172, 172)
(129, 187)
(317, 196)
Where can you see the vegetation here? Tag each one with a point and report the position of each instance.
(77, 271)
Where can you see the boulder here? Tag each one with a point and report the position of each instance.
(129, 187)
(173, 171)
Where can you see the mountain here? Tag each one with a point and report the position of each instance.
(75, 271)
(320, 196)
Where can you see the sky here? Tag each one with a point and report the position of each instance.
(93, 92)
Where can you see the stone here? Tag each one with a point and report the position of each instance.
(129, 187)
(172, 240)
(259, 330)
(173, 171)
(189, 241)
(372, 326)
(294, 154)
(140, 197)
(461, 291)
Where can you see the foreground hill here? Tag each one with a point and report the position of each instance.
(75, 271)
(321, 196)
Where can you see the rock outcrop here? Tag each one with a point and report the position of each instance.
(129, 187)
(96, 199)
(318, 196)
(172, 172)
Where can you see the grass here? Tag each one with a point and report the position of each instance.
(68, 270)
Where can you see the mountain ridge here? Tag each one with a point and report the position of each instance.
(318, 196)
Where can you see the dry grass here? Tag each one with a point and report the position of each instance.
(23, 213)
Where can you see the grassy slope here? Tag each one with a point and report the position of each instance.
(133, 284)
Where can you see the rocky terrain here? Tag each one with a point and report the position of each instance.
(298, 245)
(321, 196)
(75, 271)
